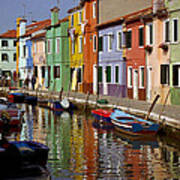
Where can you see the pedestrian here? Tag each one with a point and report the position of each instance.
(33, 81)
(26, 82)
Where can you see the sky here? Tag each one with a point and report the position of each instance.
(33, 10)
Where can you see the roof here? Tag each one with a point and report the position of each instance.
(74, 9)
(36, 27)
(9, 34)
(59, 22)
(39, 36)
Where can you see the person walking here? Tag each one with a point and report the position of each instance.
(33, 81)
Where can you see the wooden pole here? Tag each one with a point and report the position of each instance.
(86, 103)
(60, 94)
(152, 106)
(165, 102)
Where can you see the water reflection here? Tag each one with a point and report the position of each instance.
(81, 148)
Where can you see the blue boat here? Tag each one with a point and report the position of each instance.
(133, 125)
(18, 156)
(30, 100)
(16, 97)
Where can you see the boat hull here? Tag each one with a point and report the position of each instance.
(101, 115)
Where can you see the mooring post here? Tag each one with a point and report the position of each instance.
(152, 106)
(86, 102)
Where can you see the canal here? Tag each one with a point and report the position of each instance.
(81, 148)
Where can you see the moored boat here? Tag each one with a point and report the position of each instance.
(102, 114)
(16, 97)
(30, 100)
(133, 125)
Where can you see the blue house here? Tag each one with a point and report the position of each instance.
(111, 65)
(29, 59)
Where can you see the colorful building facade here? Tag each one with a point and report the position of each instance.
(8, 53)
(174, 34)
(135, 55)
(57, 53)
(111, 65)
(76, 46)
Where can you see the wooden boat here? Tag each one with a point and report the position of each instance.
(64, 105)
(16, 97)
(17, 156)
(30, 100)
(10, 115)
(132, 125)
(102, 114)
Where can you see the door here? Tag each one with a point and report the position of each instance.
(149, 86)
(135, 84)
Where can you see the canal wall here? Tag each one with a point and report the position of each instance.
(166, 116)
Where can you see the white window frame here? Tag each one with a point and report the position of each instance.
(115, 74)
(148, 34)
(110, 35)
(49, 46)
(94, 41)
(140, 27)
(164, 31)
(140, 76)
(80, 44)
(94, 9)
(117, 39)
(173, 41)
(128, 78)
(57, 48)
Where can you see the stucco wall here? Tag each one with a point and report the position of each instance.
(120, 8)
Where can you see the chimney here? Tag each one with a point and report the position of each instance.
(54, 15)
(158, 5)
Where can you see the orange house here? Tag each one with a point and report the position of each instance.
(90, 43)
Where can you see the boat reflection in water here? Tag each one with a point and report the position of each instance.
(81, 148)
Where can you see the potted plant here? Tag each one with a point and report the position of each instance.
(148, 48)
(163, 46)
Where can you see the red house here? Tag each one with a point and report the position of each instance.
(135, 54)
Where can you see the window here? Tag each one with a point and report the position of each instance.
(129, 76)
(141, 36)
(100, 74)
(14, 56)
(176, 75)
(79, 75)
(116, 74)
(119, 40)
(72, 20)
(36, 71)
(4, 43)
(110, 41)
(100, 43)
(175, 30)
(94, 43)
(108, 74)
(5, 57)
(94, 9)
(164, 74)
(80, 44)
(73, 46)
(49, 46)
(57, 45)
(35, 47)
(24, 50)
(150, 34)
(166, 31)
(56, 71)
(43, 71)
(14, 43)
(128, 39)
(80, 17)
(141, 80)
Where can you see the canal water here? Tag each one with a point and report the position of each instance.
(82, 148)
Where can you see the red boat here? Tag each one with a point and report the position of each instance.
(102, 114)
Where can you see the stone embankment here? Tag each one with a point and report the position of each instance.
(167, 116)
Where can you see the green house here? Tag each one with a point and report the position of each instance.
(173, 24)
(57, 53)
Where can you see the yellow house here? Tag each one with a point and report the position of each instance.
(76, 43)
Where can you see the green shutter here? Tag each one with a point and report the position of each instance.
(108, 74)
(117, 74)
(99, 74)
(100, 43)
